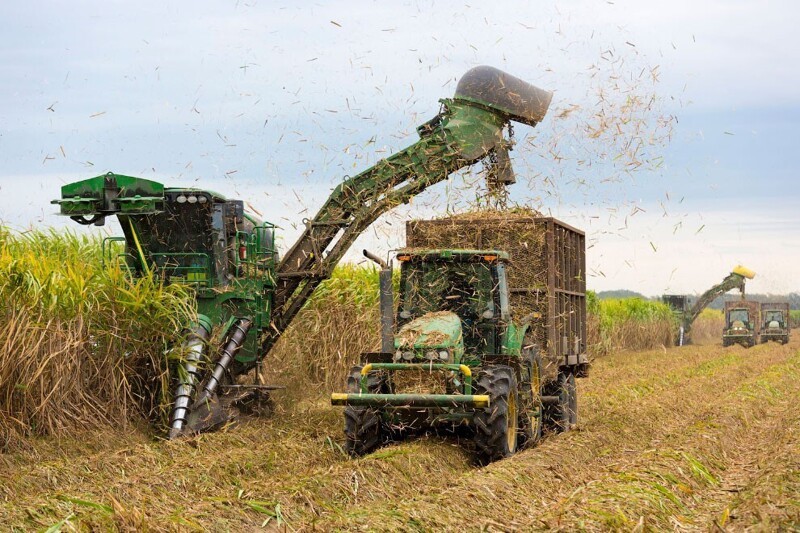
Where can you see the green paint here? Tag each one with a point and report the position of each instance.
(190, 236)
(431, 331)
(194, 236)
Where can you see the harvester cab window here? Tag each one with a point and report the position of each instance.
(177, 241)
(739, 315)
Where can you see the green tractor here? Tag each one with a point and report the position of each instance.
(742, 323)
(246, 296)
(490, 371)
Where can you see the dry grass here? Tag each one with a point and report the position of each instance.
(679, 438)
(644, 455)
(707, 328)
(82, 346)
(340, 321)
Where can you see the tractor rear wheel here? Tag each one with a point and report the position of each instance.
(530, 418)
(496, 426)
(363, 426)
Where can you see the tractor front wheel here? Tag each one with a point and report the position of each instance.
(496, 426)
(363, 426)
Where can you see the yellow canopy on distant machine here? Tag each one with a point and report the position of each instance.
(744, 271)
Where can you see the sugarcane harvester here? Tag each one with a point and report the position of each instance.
(687, 315)
(245, 294)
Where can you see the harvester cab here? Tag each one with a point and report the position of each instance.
(183, 235)
(246, 298)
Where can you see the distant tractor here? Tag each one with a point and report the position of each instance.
(742, 323)
(775, 322)
(496, 344)
(679, 303)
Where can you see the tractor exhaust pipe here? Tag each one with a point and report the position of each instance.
(387, 302)
(195, 344)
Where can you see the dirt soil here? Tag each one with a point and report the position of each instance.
(698, 438)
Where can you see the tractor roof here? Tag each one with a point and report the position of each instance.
(433, 254)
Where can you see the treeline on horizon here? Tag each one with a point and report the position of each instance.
(793, 298)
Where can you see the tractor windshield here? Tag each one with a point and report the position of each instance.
(773, 316)
(738, 315)
(465, 288)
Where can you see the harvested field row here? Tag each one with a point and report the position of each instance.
(670, 438)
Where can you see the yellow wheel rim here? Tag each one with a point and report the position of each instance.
(511, 431)
(536, 384)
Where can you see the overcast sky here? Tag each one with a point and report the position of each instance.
(671, 138)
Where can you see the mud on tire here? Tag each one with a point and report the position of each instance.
(496, 426)
(562, 415)
(364, 429)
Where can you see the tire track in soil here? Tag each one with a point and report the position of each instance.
(326, 484)
(292, 461)
(518, 492)
(688, 481)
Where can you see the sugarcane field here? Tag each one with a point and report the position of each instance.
(416, 266)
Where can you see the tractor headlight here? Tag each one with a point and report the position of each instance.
(398, 355)
(181, 199)
(408, 356)
(192, 199)
(444, 355)
(431, 355)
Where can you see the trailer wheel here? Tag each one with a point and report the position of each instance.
(564, 414)
(363, 426)
(496, 426)
(531, 414)
(573, 399)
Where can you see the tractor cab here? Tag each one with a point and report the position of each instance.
(739, 319)
(182, 235)
(773, 319)
(457, 299)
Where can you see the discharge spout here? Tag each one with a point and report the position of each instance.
(516, 99)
